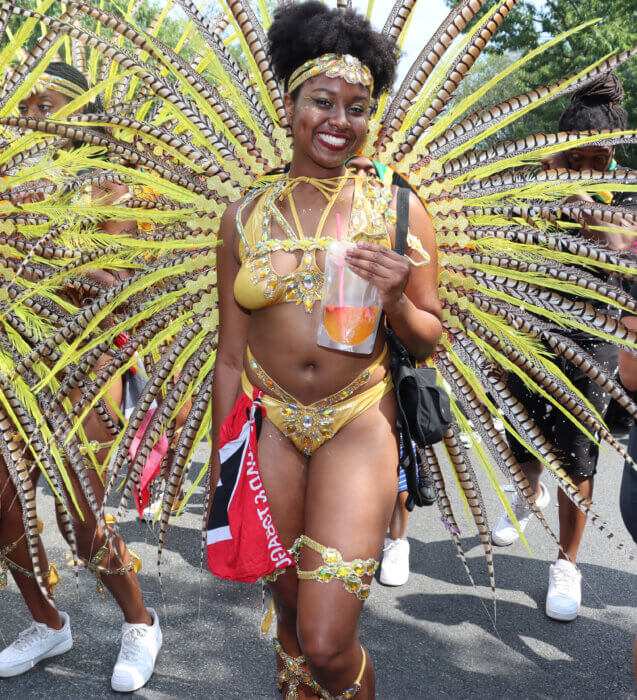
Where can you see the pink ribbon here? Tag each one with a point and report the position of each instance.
(153, 462)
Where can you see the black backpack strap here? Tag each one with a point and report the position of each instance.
(402, 219)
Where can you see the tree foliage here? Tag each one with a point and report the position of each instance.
(530, 25)
(147, 12)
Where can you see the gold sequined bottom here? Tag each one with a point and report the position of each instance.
(309, 426)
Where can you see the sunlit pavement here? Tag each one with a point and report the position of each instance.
(432, 637)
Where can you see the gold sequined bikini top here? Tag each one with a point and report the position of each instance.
(258, 284)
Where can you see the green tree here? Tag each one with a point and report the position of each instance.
(529, 25)
(171, 28)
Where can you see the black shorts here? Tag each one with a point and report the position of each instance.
(628, 493)
(577, 453)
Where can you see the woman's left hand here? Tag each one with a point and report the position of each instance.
(385, 269)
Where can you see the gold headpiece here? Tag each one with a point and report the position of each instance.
(334, 65)
(53, 82)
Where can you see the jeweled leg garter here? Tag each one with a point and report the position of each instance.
(51, 576)
(93, 565)
(294, 674)
(349, 572)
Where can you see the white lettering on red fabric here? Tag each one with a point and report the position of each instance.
(278, 553)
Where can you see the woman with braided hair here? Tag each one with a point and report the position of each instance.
(321, 420)
(593, 108)
(106, 556)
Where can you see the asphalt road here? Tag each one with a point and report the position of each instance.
(429, 638)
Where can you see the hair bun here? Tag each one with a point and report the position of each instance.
(605, 89)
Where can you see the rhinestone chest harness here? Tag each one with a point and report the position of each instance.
(370, 215)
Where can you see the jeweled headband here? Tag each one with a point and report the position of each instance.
(53, 82)
(334, 65)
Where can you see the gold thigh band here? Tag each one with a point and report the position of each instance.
(308, 427)
(349, 572)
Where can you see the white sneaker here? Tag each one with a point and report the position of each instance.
(136, 661)
(468, 440)
(34, 644)
(394, 569)
(505, 532)
(565, 591)
(151, 510)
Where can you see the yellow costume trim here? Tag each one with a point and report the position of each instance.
(308, 427)
(349, 572)
(271, 578)
(135, 559)
(52, 576)
(334, 65)
(267, 619)
(294, 674)
(414, 244)
(53, 82)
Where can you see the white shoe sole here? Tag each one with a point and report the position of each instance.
(516, 535)
(127, 689)
(58, 649)
(503, 543)
(399, 582)
(559, 616)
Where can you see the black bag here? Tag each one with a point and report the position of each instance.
(424, 410)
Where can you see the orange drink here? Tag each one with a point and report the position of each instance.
(350, 325)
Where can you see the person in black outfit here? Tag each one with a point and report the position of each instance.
(594, 107)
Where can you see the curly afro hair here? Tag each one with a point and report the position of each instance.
(302, 31)
(596, 106)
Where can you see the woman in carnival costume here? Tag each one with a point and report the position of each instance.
(107, 557)
(200, 129)
(333, 65)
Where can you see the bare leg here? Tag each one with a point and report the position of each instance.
(280, 462)
(124, 588)
(320, 620)
(533, 470)
(572, 520)
(399, 518)
(358, 463)
(11, 529)
(90, 537)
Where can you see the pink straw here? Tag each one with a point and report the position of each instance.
(340, 262)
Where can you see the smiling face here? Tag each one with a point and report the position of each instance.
(589, 158)
(329, 123)
(42, 105)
